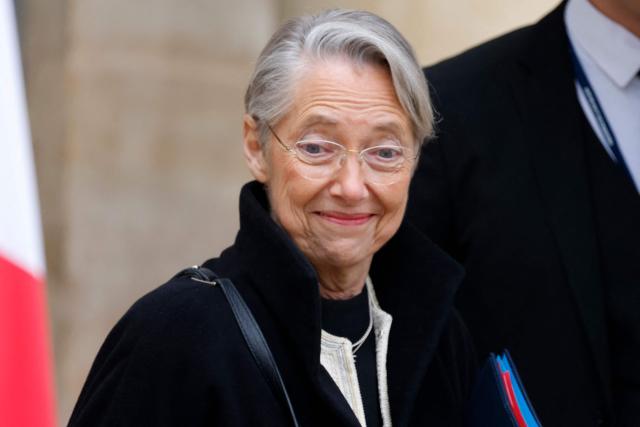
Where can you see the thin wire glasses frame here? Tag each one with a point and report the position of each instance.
(385, 163)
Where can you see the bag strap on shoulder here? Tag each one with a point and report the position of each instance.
(250, 331)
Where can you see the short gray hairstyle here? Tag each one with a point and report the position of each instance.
(360, 36)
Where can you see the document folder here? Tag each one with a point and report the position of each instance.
(498, 398)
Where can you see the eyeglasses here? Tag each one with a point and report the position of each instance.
(385, 164)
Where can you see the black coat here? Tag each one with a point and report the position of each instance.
(177, 357)
(504, 189)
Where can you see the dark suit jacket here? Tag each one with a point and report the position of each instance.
(504, 190)
(177, 358)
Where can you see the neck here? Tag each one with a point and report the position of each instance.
(342, 283)
(624, 13)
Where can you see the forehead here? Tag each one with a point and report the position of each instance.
(336, 91)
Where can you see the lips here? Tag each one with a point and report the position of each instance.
(343, 218)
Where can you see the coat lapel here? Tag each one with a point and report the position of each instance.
(547, 102)
(332, 395)
(415, 282)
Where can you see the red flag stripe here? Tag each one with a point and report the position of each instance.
(26, 383)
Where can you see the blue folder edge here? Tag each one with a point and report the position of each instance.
(489, 404)
(506, 365)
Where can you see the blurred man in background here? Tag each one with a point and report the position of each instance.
(533, 186)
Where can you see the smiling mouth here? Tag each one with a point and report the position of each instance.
(345, 219)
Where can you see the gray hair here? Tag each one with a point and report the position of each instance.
(360, 36)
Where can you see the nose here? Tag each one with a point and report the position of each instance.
(349, 182)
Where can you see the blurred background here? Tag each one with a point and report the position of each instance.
(136, 110)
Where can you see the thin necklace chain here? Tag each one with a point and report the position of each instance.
(356, 345)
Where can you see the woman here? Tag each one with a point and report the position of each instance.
(355, 305)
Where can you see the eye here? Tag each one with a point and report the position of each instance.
(310, 147)
(385, 153)
(316, 151)
(388, 153)
(386, 158)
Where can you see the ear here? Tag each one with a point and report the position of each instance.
(253, 151)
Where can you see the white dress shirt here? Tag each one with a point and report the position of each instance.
(610, 57)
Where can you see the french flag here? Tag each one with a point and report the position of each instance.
(26, 379)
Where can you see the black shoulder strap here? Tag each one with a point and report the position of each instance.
(250, 331)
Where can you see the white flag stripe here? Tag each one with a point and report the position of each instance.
(20, 228)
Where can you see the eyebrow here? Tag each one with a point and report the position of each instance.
(324, 119)
(319, 119)
(389, 126)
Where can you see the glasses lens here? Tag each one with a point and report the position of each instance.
(386, 164)
(318, 158)
(384, 158)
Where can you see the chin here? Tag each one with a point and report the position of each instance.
(345, 255)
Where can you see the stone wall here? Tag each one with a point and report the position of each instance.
(136, 111)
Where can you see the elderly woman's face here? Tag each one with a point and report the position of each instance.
(340, 220)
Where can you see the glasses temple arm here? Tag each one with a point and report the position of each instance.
(285, 146)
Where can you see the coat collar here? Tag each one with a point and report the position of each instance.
(279, 273)
(545, 95)
(414, 281)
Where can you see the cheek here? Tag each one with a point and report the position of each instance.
(290, 194)
(394, 201)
